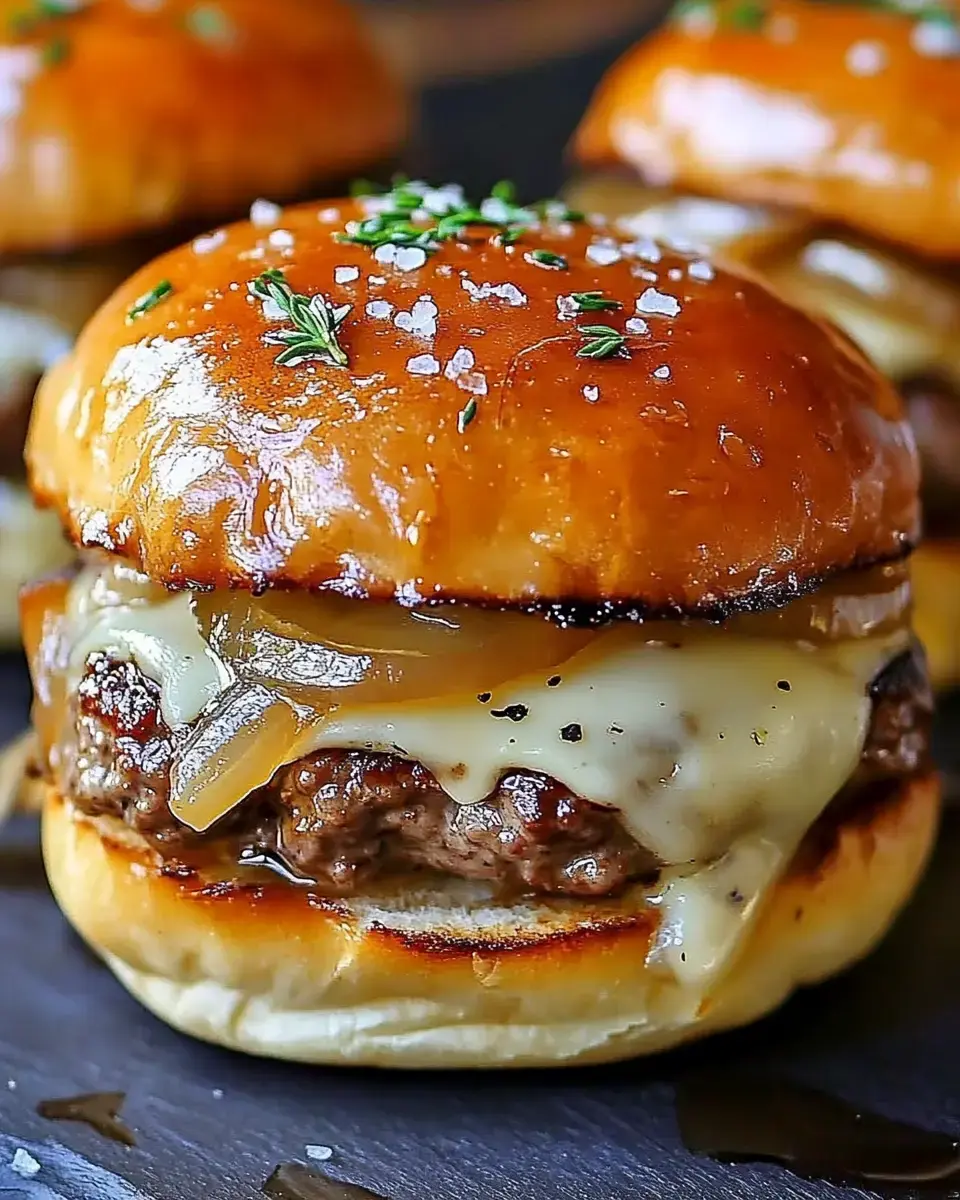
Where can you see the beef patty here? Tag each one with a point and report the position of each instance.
(341, 817)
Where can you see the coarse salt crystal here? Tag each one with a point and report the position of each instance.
(264, 212)
(463, 360)
(410, 258)
(591, 393)
(501, 291)
(329, 216)
(675, 274)
(11, 1085)
(24, 1164)
(423, 364)
(217, 1093)
(636, 326)
(936, 39)
(421, 320)
(661, 303)
(322, 1153)
(281, 239)
(567, 308)
(209, 241)
(386, 254)
(866, 58)
(603, 254)
(702, 270)
(643, 273)
(380, 309)
(376, 280)
(346, 274)
(662, 373)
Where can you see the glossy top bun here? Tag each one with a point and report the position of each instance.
(846, 111)
(738, 451)
(120, 117)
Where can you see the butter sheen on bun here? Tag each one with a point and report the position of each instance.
(424, 586)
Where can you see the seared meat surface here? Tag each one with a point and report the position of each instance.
(342, 817)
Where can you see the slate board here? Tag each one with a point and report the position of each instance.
(887, 1034)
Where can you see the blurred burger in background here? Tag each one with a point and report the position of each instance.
(819, 144)
(126, 125)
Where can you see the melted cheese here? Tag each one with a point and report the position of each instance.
(719, 749)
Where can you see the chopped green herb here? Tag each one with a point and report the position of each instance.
(505, 190)
(467, 414)
(315, 322)
(366, 187)
(603, 341)
(150, 300)
(547, 258)
(413, 214)
(748, 15)
(594, 302)
(210, 23)
(55, 52)
(28, 19)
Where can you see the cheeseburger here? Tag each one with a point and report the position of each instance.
(817, 142)
(491, 644)
(124, 124)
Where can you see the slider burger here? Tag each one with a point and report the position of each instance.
(125, 124)
(816, 142)
(492, 643)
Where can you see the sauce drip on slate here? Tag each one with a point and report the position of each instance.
(100, 1110)
(293, 1181)
(22, 867)
(739, 1117)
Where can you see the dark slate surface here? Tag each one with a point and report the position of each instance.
(213, 1124)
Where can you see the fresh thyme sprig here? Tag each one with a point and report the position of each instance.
(150, 300)
(413, 214)
(466, 415)
(594, 302)
(547, 258)
(315, 322)
(33, 18)
(603, 341)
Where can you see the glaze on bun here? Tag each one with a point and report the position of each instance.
(492, 644)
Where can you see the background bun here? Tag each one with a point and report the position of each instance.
(445, 978)
(759, 437)
(844, 111)
(132, 116)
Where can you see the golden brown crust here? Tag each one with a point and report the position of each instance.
(129, 117)
(828, 108)
(763, 443)
(411, 980)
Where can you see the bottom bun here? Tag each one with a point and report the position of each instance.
(445, 976)
(935, 568)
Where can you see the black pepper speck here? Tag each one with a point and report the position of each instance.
(485, 697)
(783, 685)
(513, 712)
(553, 681)
(614, 729)
(571, 733)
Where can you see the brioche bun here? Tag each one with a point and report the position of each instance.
(445, 976)
(729, 395)
(842, 111)
(151, 114)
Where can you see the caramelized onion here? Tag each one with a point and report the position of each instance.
(852, 606)
(380, 652)
(231, 752)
